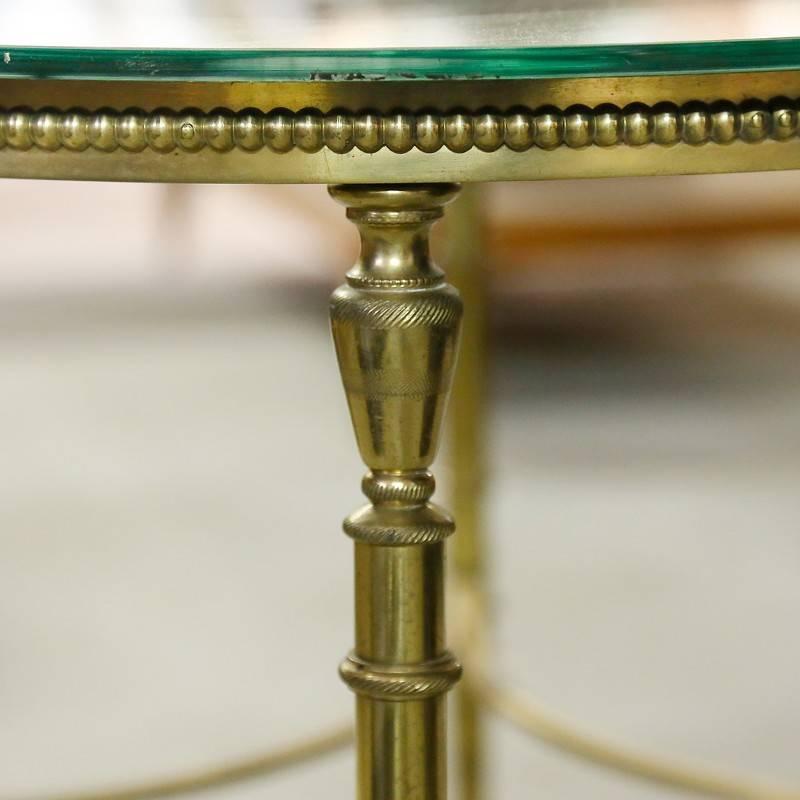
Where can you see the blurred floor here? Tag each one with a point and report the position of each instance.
(174, 588)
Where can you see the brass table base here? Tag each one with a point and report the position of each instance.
(396, 328)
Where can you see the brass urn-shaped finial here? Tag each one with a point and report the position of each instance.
(395, 324)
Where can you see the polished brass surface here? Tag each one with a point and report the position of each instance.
(395, 326)
(420, 131)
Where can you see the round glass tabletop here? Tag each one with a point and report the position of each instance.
(398, 40)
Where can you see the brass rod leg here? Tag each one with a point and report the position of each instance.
(395, 326)
(466, 458)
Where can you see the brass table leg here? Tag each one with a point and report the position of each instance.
(466, 460)
(395, 326)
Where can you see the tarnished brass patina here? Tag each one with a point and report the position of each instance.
(396, 327)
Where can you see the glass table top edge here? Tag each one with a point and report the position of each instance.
(420, 64)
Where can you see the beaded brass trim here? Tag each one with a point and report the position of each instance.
(308, 130)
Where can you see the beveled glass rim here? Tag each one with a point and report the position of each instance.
(749, 55)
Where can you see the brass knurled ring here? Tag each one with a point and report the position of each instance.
(414, 682)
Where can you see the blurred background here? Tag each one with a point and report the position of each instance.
(175, 590)
(174, 586)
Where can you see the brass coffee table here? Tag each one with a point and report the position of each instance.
(393, 106)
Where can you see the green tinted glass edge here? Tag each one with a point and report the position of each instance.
(420, 64)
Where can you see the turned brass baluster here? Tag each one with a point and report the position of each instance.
(395, 325)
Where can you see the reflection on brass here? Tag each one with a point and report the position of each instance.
(395, 326)
(310, 130)
(222, 776)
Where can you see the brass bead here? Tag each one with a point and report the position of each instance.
(488, 131)
(18, 129)
(247, 131)
(667, 124)
(756, 123)
(696, 124)
(578, 126)
(548, 129)
(101, 133)
(784, 119)
(159, 132)
(44, 129)
(458, 132)
(519, 130)
(130, 131)
(637, 125)
(281, 130)
(73, 129)
(398, 132)
(368, 132)
(724, 123)
(430, 132)
(278, 130)
(307, 131)
(217, 130)
(188, 130)
(2, 128)
(338, 132)
(607, 126)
